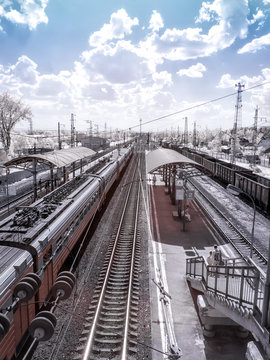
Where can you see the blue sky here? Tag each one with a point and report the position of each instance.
(115, 62)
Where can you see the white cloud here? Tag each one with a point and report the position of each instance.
(255, 44)
(194, 71)
(27, 12)
(120, 25)
(50, 85)
(156, 21)
(101, 92)
(227, 81)
(259, 15)
(116, 76)
(206, 12)
(161, 79)
(116, 64)
(25, 70)
(190, 43)
(266, 2)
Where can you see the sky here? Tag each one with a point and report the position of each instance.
(116, 62)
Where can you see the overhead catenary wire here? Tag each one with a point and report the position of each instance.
(197, 106)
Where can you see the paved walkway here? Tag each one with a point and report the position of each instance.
(169, 247)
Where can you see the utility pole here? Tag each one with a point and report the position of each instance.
(90, 128)
(186, 132)
(140, 128)
(59, 137)
(97, 129)
(237, 119)
(255, 132)
(72, 139)
(31, 126)
(194, 135)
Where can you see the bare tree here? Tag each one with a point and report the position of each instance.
(12, 110)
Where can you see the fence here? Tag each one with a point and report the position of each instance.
(236, 280)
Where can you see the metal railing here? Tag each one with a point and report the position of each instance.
(236, 280)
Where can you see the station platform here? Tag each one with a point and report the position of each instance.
(169, 247)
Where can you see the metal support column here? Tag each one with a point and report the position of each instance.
(35, 178)
(169, 182)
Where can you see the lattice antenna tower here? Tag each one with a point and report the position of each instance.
(237, 118)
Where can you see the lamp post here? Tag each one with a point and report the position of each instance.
(236, 192)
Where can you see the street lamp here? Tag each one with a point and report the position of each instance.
(236, 192)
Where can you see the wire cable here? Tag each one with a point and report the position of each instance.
(197, 106)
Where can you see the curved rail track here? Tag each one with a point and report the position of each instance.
(239, 238)
(111, 328)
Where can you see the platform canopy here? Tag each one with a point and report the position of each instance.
(58, 158)
(161, 157)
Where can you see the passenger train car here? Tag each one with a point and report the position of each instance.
(35, 242)
(254, 185)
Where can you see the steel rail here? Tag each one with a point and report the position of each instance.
(228, 228)
(125, 336)
(91, 337)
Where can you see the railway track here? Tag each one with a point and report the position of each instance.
(228, 227)
(111, 328)
(8, 206)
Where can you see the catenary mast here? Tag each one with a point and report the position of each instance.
(237, 119)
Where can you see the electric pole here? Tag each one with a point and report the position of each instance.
(31, 126)
(237, 119)
(59, 137)
(186, 132)
(194, 135)
(105, 130)
(255, 132)
(72, 139)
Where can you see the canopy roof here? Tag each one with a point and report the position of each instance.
(58, 158)
(160, 157)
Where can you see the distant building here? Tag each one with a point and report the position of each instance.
(93, 142)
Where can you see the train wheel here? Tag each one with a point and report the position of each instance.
(32, 282)
(4, 326)
(36, 277)
(69, 274)
(2, 332)
(66, 279)
(62, 289)
(24, 291)
(41, 328)
(48, 315)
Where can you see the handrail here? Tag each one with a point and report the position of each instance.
(242, 282)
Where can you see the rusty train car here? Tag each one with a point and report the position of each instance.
(34, 244)
(256, 186)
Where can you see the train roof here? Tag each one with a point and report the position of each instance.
(58, 158)
(161, 156)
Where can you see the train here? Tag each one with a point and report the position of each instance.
(256, 186)
(34, 244)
